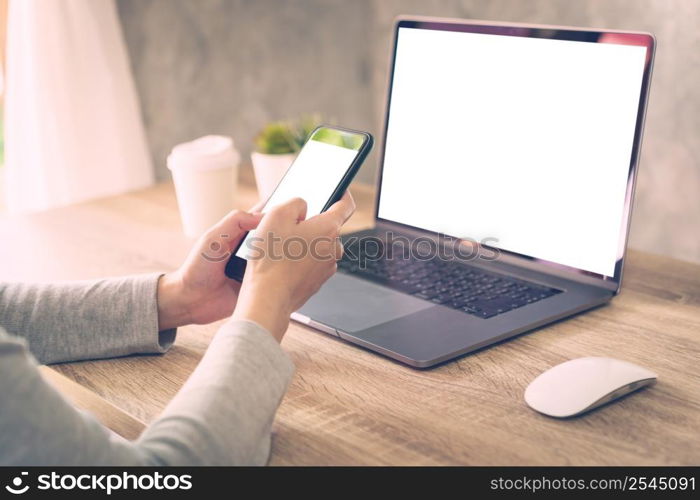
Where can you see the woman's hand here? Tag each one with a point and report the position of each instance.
(199, 292)
(291, 259)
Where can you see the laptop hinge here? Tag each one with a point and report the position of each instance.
(483, 257)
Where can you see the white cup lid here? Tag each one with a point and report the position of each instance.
(208, 152)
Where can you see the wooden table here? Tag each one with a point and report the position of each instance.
(347, 405)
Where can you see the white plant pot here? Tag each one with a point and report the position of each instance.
(269, 169)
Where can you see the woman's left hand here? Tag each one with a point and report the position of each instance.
(199, 292)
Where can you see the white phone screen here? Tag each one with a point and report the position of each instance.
(315, 174)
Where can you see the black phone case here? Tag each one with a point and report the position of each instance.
(235, 267)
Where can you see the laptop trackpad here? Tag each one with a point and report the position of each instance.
(351, 304)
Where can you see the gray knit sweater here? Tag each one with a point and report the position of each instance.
(222, 415)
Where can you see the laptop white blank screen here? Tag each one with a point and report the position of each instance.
(525, 141)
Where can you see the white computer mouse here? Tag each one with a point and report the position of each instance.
(579, 385)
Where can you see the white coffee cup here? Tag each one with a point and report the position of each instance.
(205, 173)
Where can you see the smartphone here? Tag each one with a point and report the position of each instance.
(320, 174)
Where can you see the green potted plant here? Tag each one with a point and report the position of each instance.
(276, 146)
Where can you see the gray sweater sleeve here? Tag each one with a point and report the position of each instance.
(85, 319)
(222, 415)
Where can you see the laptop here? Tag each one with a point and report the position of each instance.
(506, 179)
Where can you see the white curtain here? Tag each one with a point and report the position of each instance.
(73, 128)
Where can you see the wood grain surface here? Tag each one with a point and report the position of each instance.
(347, 405)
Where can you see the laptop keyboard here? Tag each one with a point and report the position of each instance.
(450, 283)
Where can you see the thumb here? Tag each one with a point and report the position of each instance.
(236, 223)
(229, 230)
(249, 221)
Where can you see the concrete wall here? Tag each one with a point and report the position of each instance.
(229, 66)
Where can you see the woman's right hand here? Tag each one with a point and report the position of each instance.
(290, 259)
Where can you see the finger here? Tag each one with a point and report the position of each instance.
(257, 207)
(293, 209)
(339, 249)
(343, 209)
(347, 196)
(338, 213)
(331, 271)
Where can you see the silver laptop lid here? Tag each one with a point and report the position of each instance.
(522, 138)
